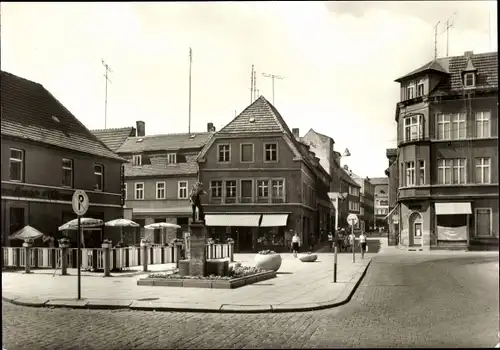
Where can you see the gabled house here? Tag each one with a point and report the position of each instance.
(344, 192)
(262, 183)
(47, 154)
(448, 153)
(381, 199)
(158, 177)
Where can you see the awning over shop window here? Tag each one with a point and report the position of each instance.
(233, 220)
(456, 208)
(273, 220)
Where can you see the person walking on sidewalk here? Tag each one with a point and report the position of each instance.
(295, 244)
(330, 240)
(362, 241)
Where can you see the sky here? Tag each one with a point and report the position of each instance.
(338, 61)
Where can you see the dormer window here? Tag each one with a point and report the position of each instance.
(469, 79)
(171, 158)
(420, 88)
(410, 93)
(137, 160)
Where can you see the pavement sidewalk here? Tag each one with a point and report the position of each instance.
(298, 287)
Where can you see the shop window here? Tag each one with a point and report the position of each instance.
(271, 236)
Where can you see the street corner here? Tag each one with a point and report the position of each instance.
(29, 301)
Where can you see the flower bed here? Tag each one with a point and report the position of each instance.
(238, 276)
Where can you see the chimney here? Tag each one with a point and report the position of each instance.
(468, 54)
(346, 167)
(210, 127)
(295, 132)
(141, 128)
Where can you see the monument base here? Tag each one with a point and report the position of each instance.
(197, 251)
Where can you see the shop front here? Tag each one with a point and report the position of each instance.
(452, 224)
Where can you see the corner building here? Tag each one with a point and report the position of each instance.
(448, 154)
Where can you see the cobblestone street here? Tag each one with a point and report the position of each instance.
(405, 300)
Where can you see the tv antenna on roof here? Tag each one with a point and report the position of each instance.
(108, 70)
(448, 25)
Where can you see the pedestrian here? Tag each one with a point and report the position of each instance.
(330, 240)
(295, 244)
(352, 240)
(362, 241)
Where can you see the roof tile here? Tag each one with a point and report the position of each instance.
(159, 167)
(31, 112)
(166, 142)
(114, 138)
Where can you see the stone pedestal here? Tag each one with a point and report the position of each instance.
(198, 255)
(106, 248)
(144, 256)
(27, 266)
(64, 260)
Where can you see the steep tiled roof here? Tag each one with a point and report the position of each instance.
(167, 142)
(487, 72)
(114, 138)
(159, 167)
(261, 116)
(31, 112)
(436, 65)
(379, 181)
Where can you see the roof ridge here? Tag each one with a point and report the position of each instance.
(173, 134)
(111, 129)
(21, 78)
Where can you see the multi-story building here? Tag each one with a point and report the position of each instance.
(263, 183)
(344, 191)
(392, 173)
(366, 200)
(381, 197)
(47, 154)
(448, 153)
(159, 176)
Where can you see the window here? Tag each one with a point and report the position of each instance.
(171, 158)
(413, 127)
(160, 190)
(420, 88)
(67, 172)
(410, 173)
(409, 92)
(230, 188)
(137, 160)
(139, 191)
(182, 189)
(421, 172)
(99, 176)
(125, 191)
(246, 187)
(483, 170)
(444, 171)
(483, 124)
(444, 126)
(362, 211)
(451, 171)
(262, 188)
(458, 127)
(384, 202)
(469, 79)
(459, 171)
(353, 191)
(16, 164)
(353, 206)
(483, 222)
(278, 188)
(216, 189)
(271, 152)
(246, 152)
(17, 219)
(224, 155)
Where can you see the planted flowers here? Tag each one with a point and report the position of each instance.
(235, 271)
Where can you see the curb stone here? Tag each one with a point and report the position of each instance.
(99, 304)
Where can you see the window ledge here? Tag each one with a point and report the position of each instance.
(465, 139)
(447, 185)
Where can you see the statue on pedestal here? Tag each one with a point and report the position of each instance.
(194, 198)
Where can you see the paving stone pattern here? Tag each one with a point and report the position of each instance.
(404, 301)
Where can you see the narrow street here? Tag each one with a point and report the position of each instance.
(405, 300)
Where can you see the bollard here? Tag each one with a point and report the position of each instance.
(144, 257)
(335, 263)
(27, 265)
(64, 261)
(231, 251)
(106, 248)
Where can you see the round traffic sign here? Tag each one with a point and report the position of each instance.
(80, 202)
(352, 219)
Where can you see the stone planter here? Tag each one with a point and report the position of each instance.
(268, 261)
(308, 257)
(106, 245)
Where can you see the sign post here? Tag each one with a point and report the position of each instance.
(80, 203)
(352, 219)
